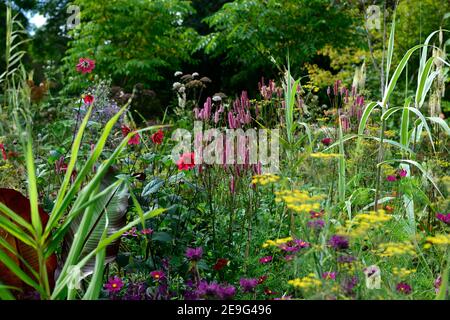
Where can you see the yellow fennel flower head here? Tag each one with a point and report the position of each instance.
(299, 201)
(391, 249)
(362, 223)
(325, 156)
(403, 272)
(264, 179)
(439, 240)
(308, 282)
(277, 242)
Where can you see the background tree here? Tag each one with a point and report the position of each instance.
(250, 32)
(139, 42)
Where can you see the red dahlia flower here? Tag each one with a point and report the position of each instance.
(134, 139)
(158, 137)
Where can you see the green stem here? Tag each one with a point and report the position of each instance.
(379, 160)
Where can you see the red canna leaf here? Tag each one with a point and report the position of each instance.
(21, 206)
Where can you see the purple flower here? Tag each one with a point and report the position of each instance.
(211, 290)
(301, 244)
(248, 285)
(132, 232)
(114, 284)
(437, 284)
(135, 291)
(404, 288)
(316, 224)
(288, 248)
(265, 259)
(226, 292)
(327, 141)
(294, 246)
(206, 289)
(346, 259)
(349, 284)
(194, 254)
(339, 242)
(445, 218)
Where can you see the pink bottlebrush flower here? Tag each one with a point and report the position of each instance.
(267, 259)
(85, 65)
(114, 285)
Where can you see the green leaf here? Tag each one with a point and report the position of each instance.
(365, 116)
(153, 186)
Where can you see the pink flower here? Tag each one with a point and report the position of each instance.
(445, 218)
(402, 173)
(114, 284)
(329, 275)
(147, 231)
(391, 178)
(88, 99)
(134, 139)
(186, 161)
(85, 65)
(316, 214)
(404, 288)
(265, 259)
(131, 232)
(289, 257)
(157, 275)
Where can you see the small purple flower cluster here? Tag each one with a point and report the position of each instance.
(209, 291)
(248, 284)
(339, 242)
(194, 254)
